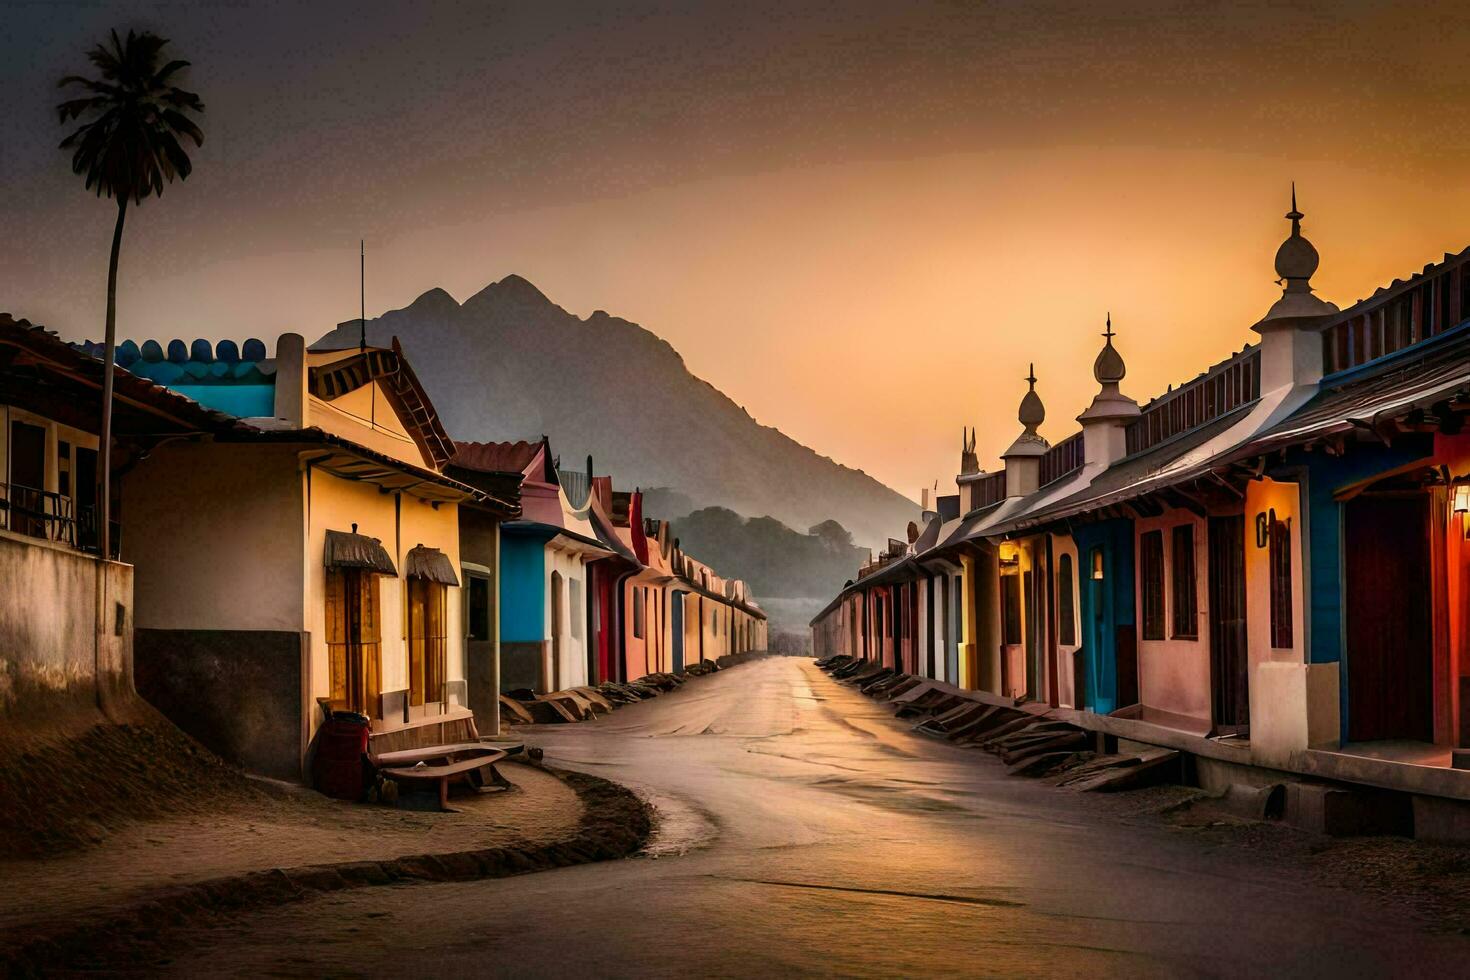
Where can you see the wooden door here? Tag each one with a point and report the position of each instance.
(418, 636)
(1386, 599)
(1229, 661)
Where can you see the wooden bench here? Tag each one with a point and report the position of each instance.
(461, 763)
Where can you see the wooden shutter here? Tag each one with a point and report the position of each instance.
(336, 635)
(417, 639)
(437, 646)
(1279, 558)
(370, 644)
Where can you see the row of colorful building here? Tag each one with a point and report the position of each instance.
(297, 534)
(1267, 565)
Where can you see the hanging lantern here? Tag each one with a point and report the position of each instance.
(1462, 498)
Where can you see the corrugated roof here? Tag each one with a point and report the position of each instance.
(1124, 479)
(429, 564)
(347, 549)
(1361, 399)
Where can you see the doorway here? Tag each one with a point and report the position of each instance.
(552, 678)
(1229, 660)
(1386, 599)
(27, 479)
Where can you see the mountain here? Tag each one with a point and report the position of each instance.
(508, 363)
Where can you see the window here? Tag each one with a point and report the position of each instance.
(1010, 601)
(427, 640)
(637, 612)
(478, 625)
(353, 640)
(1279, 559)
(1186, 608)
(1151, 583)
(1066, 603)
(576, 609)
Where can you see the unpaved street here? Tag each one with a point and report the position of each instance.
(804, 831)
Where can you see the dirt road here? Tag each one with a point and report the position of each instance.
(805, 832)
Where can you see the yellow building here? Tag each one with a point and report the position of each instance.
(305, 561)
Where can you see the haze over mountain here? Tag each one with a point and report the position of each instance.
(509, 363)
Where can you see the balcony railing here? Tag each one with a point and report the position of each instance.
(52, 516)
(1063, 459)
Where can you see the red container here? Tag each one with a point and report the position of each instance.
(338, 769)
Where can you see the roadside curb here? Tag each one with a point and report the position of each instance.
(615, 824)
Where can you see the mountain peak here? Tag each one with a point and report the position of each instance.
(513, 289)
(435, 300)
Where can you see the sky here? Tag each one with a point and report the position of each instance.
(862, 221)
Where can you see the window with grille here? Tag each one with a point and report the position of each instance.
(1280, 561)
(1181, 564)
(1151, 583)
(354, 642)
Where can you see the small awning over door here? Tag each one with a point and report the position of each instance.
(346, 549)
(430, 564)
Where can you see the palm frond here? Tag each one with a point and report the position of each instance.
(128, 145)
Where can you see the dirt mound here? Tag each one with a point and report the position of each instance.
(63, 793)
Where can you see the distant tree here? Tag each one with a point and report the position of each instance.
(127, 146)
(775, 560)
(834, 533)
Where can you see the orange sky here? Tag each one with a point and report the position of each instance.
(861, 228)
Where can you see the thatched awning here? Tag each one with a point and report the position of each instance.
(430, 564)
(346, 549)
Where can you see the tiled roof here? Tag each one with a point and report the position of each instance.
(79, 362)
(198, 363)
(496, 457)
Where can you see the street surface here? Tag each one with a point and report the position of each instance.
(804, 831)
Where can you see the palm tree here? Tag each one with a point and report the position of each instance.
(127, 146)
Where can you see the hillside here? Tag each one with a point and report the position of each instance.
(509, 363)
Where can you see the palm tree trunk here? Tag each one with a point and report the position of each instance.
(104, 442)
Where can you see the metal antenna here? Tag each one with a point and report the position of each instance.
(362, 294)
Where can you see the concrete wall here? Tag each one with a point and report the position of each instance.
(1294, 704)
(215, 533)
(66, 630)
(366, 417)
(236, 691)
(523, 577)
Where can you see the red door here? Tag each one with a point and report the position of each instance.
(1389, 648)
